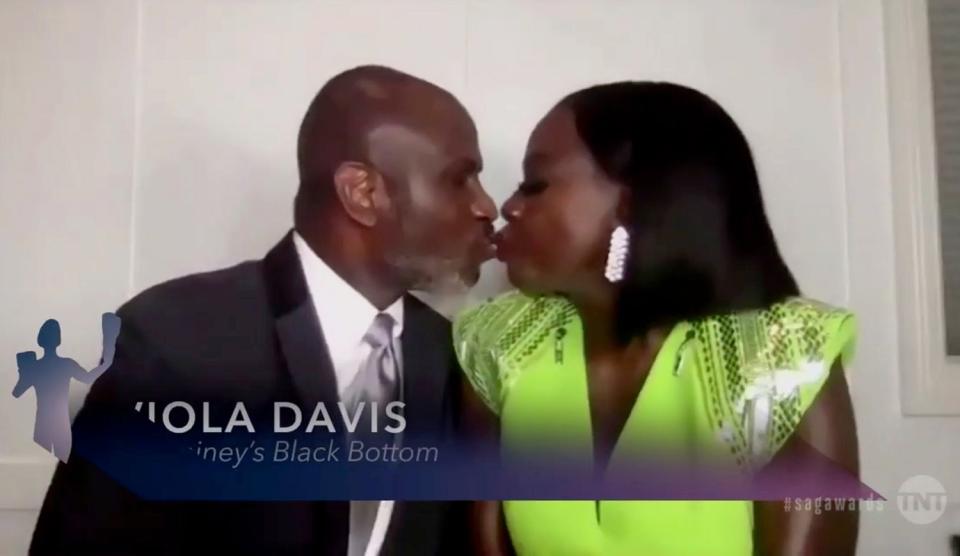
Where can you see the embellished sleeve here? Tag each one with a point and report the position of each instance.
(762, 371)
(496, 340)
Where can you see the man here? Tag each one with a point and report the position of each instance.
(389, 201)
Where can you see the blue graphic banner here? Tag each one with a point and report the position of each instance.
(158, 464)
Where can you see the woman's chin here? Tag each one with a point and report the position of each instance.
(524, 279)
(515, 276)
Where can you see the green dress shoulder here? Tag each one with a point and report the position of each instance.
(729, 387)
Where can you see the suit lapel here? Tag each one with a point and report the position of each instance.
(415, 527)
(298, 331)
(426, 356)
(306, 360)
(425, 344)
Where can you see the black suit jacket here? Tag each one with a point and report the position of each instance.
(247, 333)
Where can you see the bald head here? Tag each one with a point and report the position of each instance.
(350, 106)
(389, 181)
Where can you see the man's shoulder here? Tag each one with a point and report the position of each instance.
(201, 305)
(197, 292)
(185, 335)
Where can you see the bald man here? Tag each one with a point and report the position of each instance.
(389, 201)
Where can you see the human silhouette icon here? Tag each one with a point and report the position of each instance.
(50, 376)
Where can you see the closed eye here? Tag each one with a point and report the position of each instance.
(531, 187)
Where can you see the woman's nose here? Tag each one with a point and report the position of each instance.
(512, 208)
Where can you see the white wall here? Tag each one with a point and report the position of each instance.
(143, 140)
(893, 447)
(66, 173)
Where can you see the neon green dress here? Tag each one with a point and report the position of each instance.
(732, 388)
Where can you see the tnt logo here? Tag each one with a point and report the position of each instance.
(922, 499)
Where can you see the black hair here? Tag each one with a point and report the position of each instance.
(700, 241)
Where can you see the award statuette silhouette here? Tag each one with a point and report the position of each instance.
(50, 376)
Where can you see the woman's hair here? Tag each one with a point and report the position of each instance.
(700, 242)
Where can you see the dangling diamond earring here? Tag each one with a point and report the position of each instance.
(617, 255)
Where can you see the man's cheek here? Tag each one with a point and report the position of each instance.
(428, 194)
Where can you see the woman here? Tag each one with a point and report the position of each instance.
(655, 312)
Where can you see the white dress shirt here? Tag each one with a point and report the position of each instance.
(345, 316)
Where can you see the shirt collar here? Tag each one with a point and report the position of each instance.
(344, 314)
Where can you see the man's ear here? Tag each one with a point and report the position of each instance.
(356, 184)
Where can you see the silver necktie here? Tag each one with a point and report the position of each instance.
(376, 382)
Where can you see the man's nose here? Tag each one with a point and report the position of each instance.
(483, 206)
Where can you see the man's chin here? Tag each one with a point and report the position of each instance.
(470, 277)
(448, 295)
(454, 284)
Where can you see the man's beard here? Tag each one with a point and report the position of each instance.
(432, 274)
(422, 269)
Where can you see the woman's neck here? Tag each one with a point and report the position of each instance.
(598, 313)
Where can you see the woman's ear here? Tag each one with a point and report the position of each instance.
(357, 187)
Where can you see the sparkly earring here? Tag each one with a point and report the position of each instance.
(617, 255)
